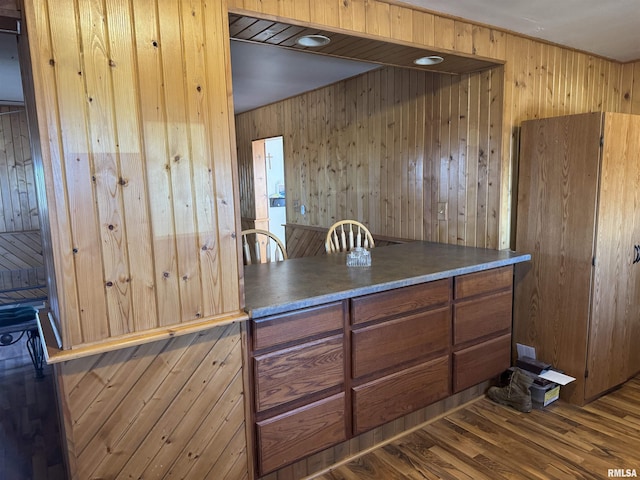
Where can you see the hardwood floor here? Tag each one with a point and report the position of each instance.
(30, 447)
(484, 440)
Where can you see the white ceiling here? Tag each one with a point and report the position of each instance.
(264, 74)
(609, 28)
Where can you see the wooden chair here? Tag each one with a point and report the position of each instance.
(347, 234)
(257, 245)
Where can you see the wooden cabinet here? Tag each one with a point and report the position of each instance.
(400, 342)
(299, 432)
(297, 372)
(299, 401)
(480, 362)
(482, 312)
(578, 301)
(399, 301)
(391, 396)
(325, 374)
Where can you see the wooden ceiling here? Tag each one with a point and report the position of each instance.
(268, 32)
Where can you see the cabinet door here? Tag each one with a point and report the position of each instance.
(398, 394)
(482, 317)
(481, 362)
(556, 218)
(403, 340)
(612, 349)
(286, 375)
(298, 325)
(482, 283)
(301, 432)
(399, 301)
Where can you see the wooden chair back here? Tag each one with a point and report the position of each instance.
(346, 235)
(257, 247)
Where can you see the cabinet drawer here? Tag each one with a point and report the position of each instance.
(479, 363)
(395, 395)
(289, 327)
(385, 345)
(301, 432)
(286, 375)
(483, 282)
(399, 301)
(481, 317)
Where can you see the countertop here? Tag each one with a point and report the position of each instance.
(309, 281)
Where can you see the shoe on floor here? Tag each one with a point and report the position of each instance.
(516, 395)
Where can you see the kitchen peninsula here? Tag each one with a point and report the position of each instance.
(337, 351)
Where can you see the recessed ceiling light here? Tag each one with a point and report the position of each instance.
(430, 60)
(313, 41)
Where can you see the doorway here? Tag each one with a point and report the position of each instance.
(268, 174)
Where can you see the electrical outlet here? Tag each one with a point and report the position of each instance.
(442, 210)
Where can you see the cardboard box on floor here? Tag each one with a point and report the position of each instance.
(546, 381)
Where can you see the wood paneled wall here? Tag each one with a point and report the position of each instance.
(388, 148)
(18, 201)
(133, 109)
(164, 409)
(540, 79)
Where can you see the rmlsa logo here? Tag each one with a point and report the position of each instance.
(622, 472)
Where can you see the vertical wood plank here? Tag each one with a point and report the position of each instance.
(179, 157)
(132, 179)
(412, 225)
(106, 171)
(500, 170)
(423, 28)
(399, 173)
(155, 142)
(352, 15)
(463, 37)
(476, 137)
(19, 176)
(429, 187)
(79, 170)
(35, 55)
(374, 114)
(221, 148)
(29, 166)
(457, 158)
(198, 116)
(635, 96)
(401, 19)
(377, 17)
(444, 33)
(8, 214)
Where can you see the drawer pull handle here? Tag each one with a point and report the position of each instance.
(637, 254)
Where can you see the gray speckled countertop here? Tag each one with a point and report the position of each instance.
(309, 281)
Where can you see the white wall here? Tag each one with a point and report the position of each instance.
(275, 177)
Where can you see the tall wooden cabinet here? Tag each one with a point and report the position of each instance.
(578, 300)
